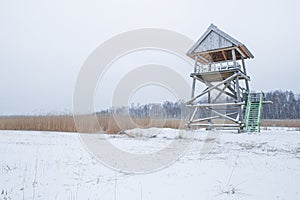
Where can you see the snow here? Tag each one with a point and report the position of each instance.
(54, 165)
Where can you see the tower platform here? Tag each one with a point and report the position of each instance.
(217, 76)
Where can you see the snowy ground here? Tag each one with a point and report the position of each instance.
(51, 165)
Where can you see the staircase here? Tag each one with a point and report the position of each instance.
(253, 113)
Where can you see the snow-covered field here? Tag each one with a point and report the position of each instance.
(51, 165)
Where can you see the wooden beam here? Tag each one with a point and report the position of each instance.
(220, 93)
(194, 80)
(209, 101)
(213, 51)
(238, 94)
(225, 57)
(216, 125)
(267, 102)
(240, 52)
(244, 66)
(237, 86)
(204, 119)
(244, 76)
(225, 116)
(213, 87)
(209, 118)
(245, 72)
(234, 58)
(216, 104)
(204, 59)
(232, 90)
(244, 49)
(217, 88)
(193, 115)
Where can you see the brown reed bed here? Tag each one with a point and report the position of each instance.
(85, 123)
(107, 123)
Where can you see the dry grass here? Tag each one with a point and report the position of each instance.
(281, 123)
(85, 123)
(41, 123)
(106, 123)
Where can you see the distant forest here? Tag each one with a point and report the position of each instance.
(286, 105)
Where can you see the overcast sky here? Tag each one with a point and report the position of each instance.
(44, 43)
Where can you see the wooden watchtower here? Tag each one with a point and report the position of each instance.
(220, 65)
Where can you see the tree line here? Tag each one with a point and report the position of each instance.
(286, 105)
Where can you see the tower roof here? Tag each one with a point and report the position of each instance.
(215, 45)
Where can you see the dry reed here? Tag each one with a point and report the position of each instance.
(65, 123)
(109, 124)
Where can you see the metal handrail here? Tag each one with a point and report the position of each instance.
(246, 119)
(260, 110)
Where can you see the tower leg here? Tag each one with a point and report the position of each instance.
(194, 79)
(209, 101)
(238, 92)
(193, 88)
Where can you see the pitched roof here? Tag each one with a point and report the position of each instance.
(214, 39)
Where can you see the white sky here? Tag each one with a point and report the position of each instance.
(44, 43)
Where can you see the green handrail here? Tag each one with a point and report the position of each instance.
(260, 110)
(253, 123)
(246, 120)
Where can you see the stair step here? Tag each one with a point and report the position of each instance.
(253, 114)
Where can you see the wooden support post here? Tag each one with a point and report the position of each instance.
(234, 58)
(238, 94)
(245, 72)
(237, 86)
(194, 79)
(244, 67)
(209, 101)
(209, 96)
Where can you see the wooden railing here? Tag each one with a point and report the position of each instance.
(214, 67)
